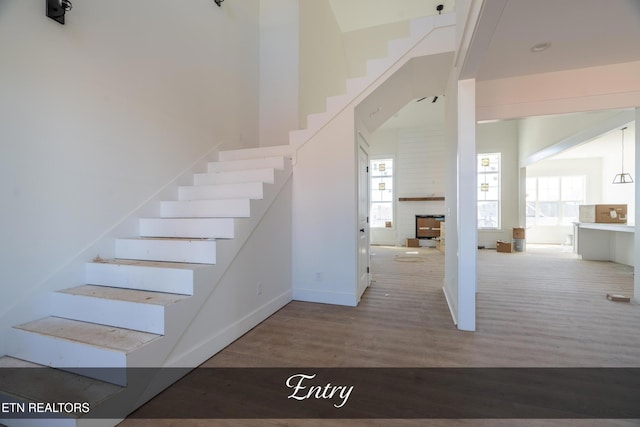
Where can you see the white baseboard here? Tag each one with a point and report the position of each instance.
(447, 297)
(213, 344)
(325, 297)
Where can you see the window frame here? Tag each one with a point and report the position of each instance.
(374, 186)
(480, 176)
(559, 201)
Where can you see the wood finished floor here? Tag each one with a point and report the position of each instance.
(540, 308)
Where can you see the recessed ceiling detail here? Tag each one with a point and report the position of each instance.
(540, 47)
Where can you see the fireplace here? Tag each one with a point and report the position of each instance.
(428, 226)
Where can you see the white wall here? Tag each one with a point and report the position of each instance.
(502, 137)
(323, 63)
(99, 114)
(279, 54)
(324, 216)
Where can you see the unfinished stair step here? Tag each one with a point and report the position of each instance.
(241, 190)
(266, 175)
(176, 278)
(67, 344)
(199, 251)
(275, 162)
(39, 383)
(228, 208)
(124, 308)
(197, 228)
(255, 153)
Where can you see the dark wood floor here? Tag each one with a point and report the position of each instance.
(540, 308)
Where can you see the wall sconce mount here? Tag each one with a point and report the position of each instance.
(57, 8)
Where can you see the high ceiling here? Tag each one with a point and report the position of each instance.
(580, 33)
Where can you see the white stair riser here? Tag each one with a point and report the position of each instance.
(231, 177)
(228, 208)
(299, 136)
(243, 190)
(144, 278)
(254, 153)
(122, 314)
(357, 84)
(61, 353)
(192, 251)
(316, 120)
(276, 162)
(213, 228)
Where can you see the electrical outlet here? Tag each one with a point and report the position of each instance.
(259, 288)
(319, 276)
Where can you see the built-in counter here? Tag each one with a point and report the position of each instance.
(604, 242)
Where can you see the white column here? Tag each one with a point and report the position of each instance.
(467, 206)
(636, 240)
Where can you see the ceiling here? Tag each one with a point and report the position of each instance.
(581, 33)
(598, 147)
(419, 77)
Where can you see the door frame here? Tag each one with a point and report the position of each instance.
(363, 237)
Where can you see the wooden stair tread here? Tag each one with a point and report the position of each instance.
(51, 385)
(154, 264)
(110, 337)
(123, 294)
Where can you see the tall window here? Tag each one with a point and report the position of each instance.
(382, 193)
(554, 200)
(489, 191)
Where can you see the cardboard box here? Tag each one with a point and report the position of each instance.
(610, 214)
(413, 243)
(442, 230)
(518, 233)
(504, 246)
(440, 245)
(427, 227)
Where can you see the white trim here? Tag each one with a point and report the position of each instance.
(451, 308)
(325, 297)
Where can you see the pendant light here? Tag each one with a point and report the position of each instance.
(623, 177)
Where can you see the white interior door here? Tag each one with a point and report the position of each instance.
(363, 218)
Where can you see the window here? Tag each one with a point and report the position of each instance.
(489, 191)
(381, 193)
(554, 200)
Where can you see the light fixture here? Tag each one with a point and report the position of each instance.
(485, 185)
(623, 177)
(57, 8)
(540, 47)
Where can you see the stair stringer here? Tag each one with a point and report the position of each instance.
(326, 272)
(201, 326)
(421, 29)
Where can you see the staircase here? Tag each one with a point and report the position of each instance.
(163, 300)
(134, 310)
(399, 51)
